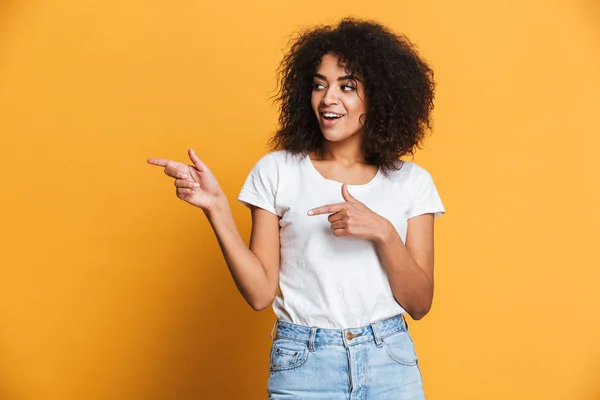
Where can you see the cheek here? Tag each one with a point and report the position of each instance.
(314, 102)
(356, 107)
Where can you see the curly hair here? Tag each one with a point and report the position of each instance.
(398, 84)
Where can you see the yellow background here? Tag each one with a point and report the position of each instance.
(112, 288)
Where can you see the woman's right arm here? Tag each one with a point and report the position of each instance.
(255, 270)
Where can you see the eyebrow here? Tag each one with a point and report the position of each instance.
(341, 78)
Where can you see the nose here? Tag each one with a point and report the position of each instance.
(330, 97)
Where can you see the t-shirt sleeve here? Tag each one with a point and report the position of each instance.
(260, 188)
(425, 195)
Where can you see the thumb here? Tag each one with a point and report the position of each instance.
(346, 194)
(197, 163)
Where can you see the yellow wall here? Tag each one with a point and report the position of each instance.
(111, 288)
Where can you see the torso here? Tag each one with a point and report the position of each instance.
(324, 280)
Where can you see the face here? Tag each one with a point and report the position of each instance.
(338, 100)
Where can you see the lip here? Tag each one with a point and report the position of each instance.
(331, 111)
(330, 122)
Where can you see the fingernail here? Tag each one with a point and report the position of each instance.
(196, 185)
(184, 176)
(310, 212)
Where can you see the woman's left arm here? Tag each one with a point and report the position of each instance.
(409, 266)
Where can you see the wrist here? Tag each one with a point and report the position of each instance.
(384, 233)
(219, 207)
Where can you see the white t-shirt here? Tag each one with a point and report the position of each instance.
(325, 280)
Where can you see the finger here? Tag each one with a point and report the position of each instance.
(182, 183)
(184, 191)
(161, 162)
(346, 194)
(176, 173)
(328, 209)
(339, 225)
(197, 162)
(341, 232)
(339, 216)
(172, 168)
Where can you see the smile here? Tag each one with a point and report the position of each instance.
(330, 119)
(329, 115)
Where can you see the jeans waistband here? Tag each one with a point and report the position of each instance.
(343, 337)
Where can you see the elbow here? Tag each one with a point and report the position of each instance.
(419, 313)
(260, 304)
(260, 298)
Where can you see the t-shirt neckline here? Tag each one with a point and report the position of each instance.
(316, 172)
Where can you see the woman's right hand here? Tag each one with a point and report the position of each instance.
(195, 184)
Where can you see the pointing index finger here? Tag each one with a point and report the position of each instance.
(173, 169)
(327, 209)
(161, 162)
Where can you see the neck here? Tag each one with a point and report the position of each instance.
(347, 152)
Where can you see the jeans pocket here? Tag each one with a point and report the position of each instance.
(288, 354)
(400, 348)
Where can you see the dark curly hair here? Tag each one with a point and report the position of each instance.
(398, 84)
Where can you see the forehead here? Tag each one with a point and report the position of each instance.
(329, 66)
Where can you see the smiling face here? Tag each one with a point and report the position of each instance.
(338, 100)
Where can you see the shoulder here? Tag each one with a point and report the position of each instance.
(409, 172)
(278, 161)
(412, 178)
(285, 158)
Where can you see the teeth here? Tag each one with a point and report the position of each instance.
(331, 115)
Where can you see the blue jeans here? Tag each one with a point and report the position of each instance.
(375, 362)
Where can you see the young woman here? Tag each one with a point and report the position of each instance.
(342, 230)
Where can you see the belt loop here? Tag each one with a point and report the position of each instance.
(405, 322)
(311, 340)
(276, 324)
(378, 340)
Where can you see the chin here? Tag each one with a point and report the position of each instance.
(332, 137)
(335, 135)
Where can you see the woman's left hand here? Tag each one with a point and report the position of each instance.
(353, 219)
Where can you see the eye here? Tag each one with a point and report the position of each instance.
(317, 86)
(348, 88)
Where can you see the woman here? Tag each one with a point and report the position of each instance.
(340, 226)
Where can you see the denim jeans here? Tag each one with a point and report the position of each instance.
(374, 362)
